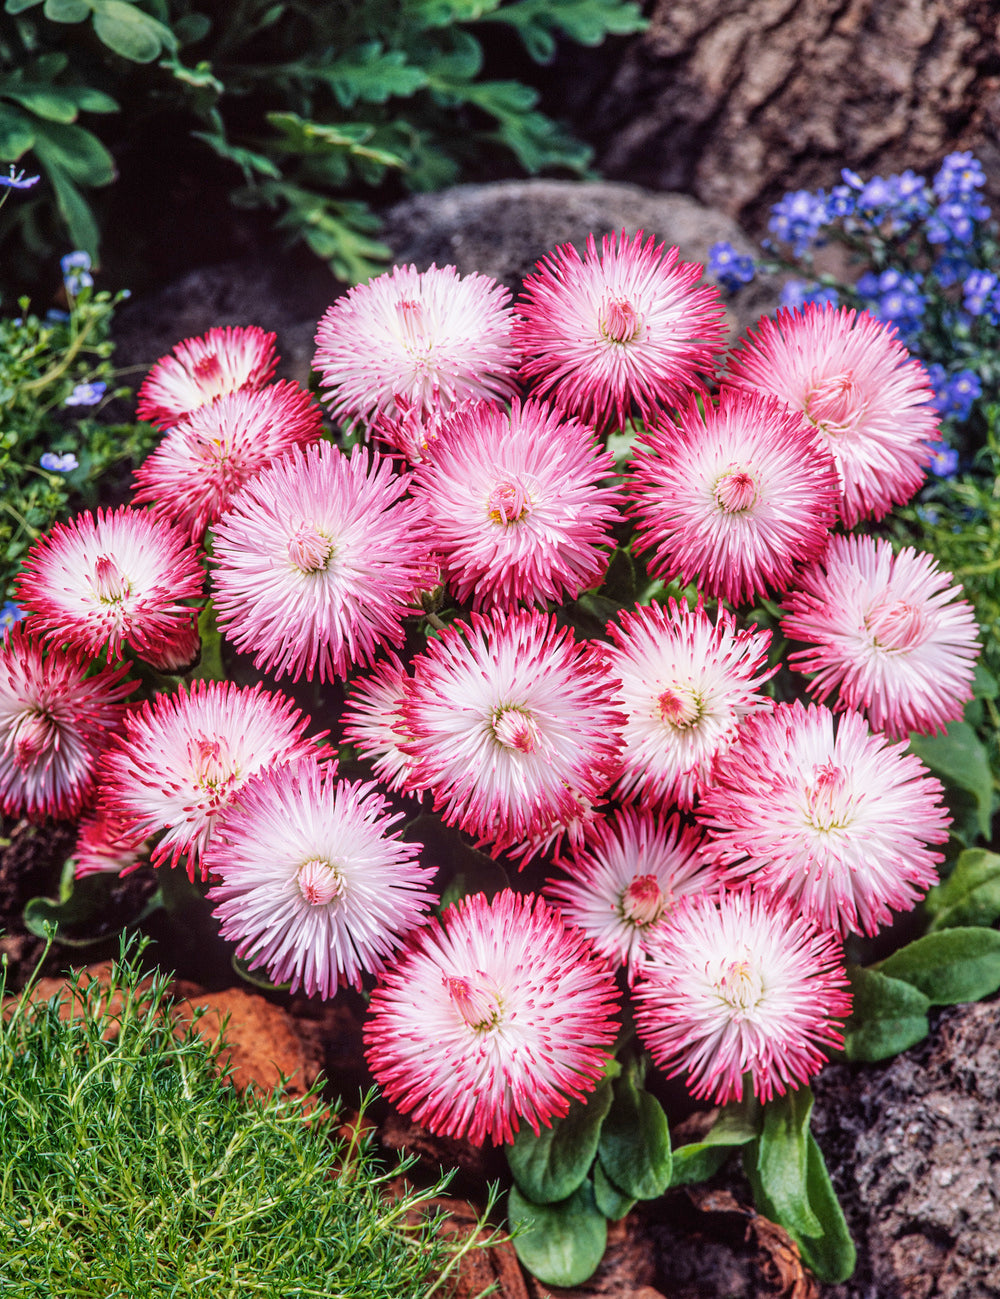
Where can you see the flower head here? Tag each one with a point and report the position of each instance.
(831, 817)
(203, 461)
(373, 720)
(185, 756)
(10, 615)
(316, 885)
(849, 378)
(104, 847)
(59, 464)
(626, 879)
(86, 394)
(117, 579)
(509, 722)
(56, 717)
(733, 496)
(513, 506)
(317, 562)
(686, 685)
(17, 179)
(886, 632)
(630, 324)
(409, 342)
(496, 1015)
(201, 369)
(738, 983)
(75, 268)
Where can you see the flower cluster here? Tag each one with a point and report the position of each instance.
(484, 610)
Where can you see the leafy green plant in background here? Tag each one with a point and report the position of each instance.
(304, 106)
(131, 1166)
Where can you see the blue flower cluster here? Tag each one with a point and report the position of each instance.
(954, 394)
(731, 269)
(795, 294)
(75, 268)
(895, 298)
(9, 615)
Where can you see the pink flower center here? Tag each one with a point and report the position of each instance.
(413, 324)
(620, 322)
(680, 707)
(835, 404)
(740, 987)
(319, 882)
(736, 491)
(515, 729)
(309, 550)
(109, 582)
(898, 626)
(828, 798)
(643, 901)
(508, 502)
(476, 1000)
(34, 735)
(210, 759)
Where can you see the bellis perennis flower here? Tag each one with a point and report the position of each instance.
(315, 884)
(373, 720)
(850, 379)
(733, 496)
(886, 632)
(630, 324)
(740, 984)
(512, 505)
(827, 815)
(201, 369)
(498, 1015)
(409, 342)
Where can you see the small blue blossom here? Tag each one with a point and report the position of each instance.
(730, 268)
(798, 293)
(953, 265)
(851, 178)
(9, 615)
(977, 290)
(895, 298)
(76, 271)
(960, 174)
(840, 202)
(86, 394)
(59, 464)
(17, 180)
(956, 394)
(953, 221)
(928, 514)
(798, 218)
(944, 460)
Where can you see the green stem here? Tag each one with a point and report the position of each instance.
(33, 533)
(69, 356)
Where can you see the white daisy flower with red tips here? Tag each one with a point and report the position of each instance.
(104, 847)
(496, 1015)
(205, 459)
(411, 342)
(513, 507)
(113, 581)
(687, 683)
(629, 325)
(185, 756)
(733, 496)
(315, 883)
(885, 631)
(738, 983)
(56, 719)
(509, 722)
(318, 561)
(201, 369)
(373, 718)
(850, 379)
(821, 812)
(626, 879)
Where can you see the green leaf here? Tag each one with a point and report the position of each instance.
(67, 11)
(17, 135)
(248, 160)
(634, 1147)
(368, 74)
(699, 1160)
(75, 151)
(586, 21)
(971, 893)
(831, 1255)
(50, 102)
(19, 6)
(619, 580)
(79, 916)
(887, 1016)
(551, 1166)
(951, 966)
(614, 1204)
(561, 1244)
(191, 28)
(73, 207)
(777, 1163)
(124, 28)
(960, 759)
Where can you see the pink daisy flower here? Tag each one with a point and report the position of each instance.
(103, 847)
(629, 325)
(412, 432)
(373, 720)
(831, 817)
(738, 983)
(113, 581)
(509, 722)
(499, 1014)
(849, 377)
(186, 755)
(687, 683)
(204, 460)
(733, 496)
(551, 839)
(886, 631)
(624, 883)
(201, 369)
(56, 717)
(512, 505)
(318, 562)
(414, 341)
(316, 886)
